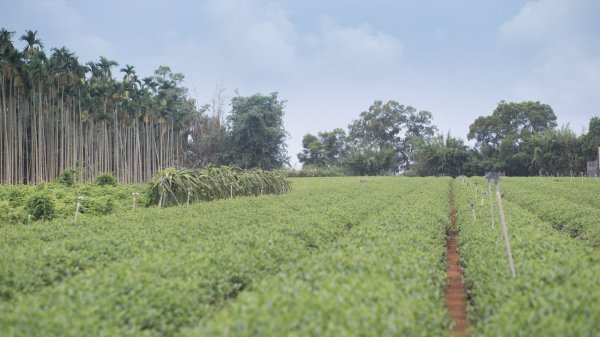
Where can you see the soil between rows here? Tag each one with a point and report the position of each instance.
(455, 289)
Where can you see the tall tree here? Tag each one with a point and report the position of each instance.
(312, 151)
(208, 137)
(34, 44)
(500, 136)
(54, 117)
(334, 146)
(257, 135)
(441, 155)
(519, 120)
(553, 152)
(326, 150)
(389, 128)
(591, 140)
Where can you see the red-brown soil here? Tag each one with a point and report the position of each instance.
(455, 289)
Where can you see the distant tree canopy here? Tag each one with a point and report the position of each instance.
(326, 150)
(381, 141)
(256, 132)
(512, 121)
(517, 138)
(442, 156)
(57, 114)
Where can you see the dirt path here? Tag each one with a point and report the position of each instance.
(455, 289)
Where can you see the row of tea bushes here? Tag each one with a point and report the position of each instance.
(385, 278)
(557, 288)
(155, 272)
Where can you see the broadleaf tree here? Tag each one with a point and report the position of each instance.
(256, 132)
(388, 128)
(500, 135)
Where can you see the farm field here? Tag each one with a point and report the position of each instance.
(334, 257)
(557, 288)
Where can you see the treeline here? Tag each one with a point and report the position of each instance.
(519, 139)
(58, 114)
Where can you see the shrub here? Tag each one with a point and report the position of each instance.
(68, 177)
(41, 207)
(9, 213)
(106, 179)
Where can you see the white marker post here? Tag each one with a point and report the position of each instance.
(134, 196)
(489, 177)
(78, 205)
(496, 177)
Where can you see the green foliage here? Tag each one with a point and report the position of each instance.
(442, 156)
(500, 136)
(256, 132)
(68, 177)
(12, 214)
(106, 179)
(41, 206)
(97, 200)
(383, 139)
(591, 140)
(377, 280)
(172, 187)
(327, 150)
(520, 120)
(558, 277)
(157, 272)
(572, 208)
(312, 152)
(369, 162)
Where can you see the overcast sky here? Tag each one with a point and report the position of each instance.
(331, 59)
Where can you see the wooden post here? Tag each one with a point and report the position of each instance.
(473, 211)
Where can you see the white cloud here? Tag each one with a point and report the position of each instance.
(70, 27)
(258, 39)
(559, 41)
(254, 37)
(359, 50)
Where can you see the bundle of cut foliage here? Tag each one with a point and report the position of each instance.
(176, 187)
